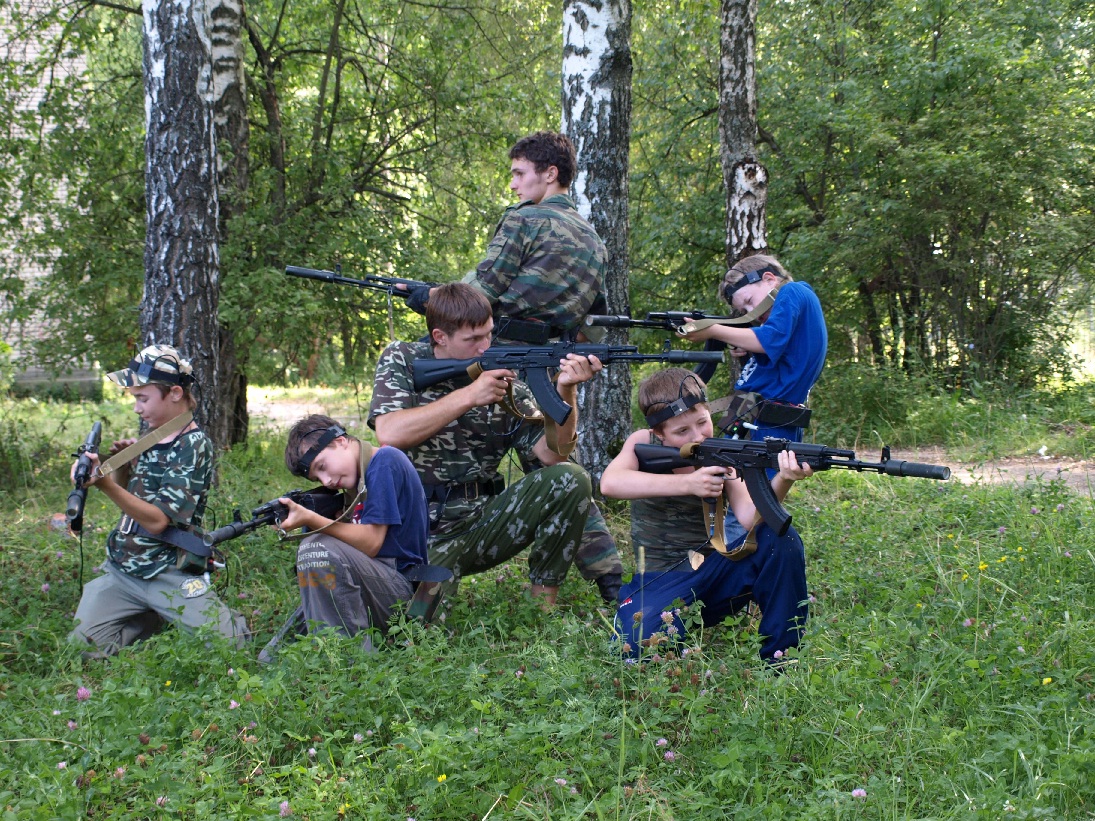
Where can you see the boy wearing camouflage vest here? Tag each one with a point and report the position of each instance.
(457, 435)
(147, 580)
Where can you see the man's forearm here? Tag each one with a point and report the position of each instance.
(410, 427)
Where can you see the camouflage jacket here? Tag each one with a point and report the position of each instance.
(545, 262)
(175, 478)
(468, 449)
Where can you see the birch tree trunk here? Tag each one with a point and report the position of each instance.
(182, 276)
(233, 137)
(745, 179)
(597, 118)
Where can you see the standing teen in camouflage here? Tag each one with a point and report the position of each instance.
(546, 263)
(148, 582)
(670, 531)
(457, 437)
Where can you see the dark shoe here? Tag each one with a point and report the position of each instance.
(609, 585)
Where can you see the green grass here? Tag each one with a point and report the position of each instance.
(947, 672)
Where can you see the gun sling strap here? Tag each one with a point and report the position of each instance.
(144, 443)
(748, 319)
(714, 515)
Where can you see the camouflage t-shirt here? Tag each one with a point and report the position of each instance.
(175, 478)
(545, 262)
(468, 449)
(667, 527)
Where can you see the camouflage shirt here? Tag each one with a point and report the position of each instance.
(468, 449)
(175, 478)
(666, 528)
(545, 262)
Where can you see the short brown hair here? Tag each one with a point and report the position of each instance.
(662, 388)
(456, 305)
(304, 435)
(761, 263)
(546, 148)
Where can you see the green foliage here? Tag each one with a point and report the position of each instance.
(381, 149)
(947, 673)
(923, 166)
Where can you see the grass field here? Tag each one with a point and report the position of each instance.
(947, 672)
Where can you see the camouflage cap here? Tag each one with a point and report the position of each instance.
(159, 364)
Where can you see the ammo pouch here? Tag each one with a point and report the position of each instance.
(525, 331)
(754, 409)
(193, 554)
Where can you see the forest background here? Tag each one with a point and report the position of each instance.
(930, 174)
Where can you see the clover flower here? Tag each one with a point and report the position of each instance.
(83, 694)
(859, 792)
(662, 742)
(283, 809)
(562, 782)
(670, 756)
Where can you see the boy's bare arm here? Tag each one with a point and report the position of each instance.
(368, 538)
(622, 479)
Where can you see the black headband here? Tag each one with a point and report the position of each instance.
(147, 372)
(749, 279)
(675, 408)
(304, 463)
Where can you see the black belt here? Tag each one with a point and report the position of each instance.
(467, 490)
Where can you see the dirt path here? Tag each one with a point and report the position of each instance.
(1077, 474)
(267, 411)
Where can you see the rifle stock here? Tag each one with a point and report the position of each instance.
(752, 460)
(534, 362)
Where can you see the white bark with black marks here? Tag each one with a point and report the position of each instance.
(182, 269)
(597, 118)
(745, 179)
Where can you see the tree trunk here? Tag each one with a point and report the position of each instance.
(745, 179)
(234, 175)
(597, 118)
(182, 267)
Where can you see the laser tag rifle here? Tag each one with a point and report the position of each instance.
(326, 503)
(751, 461)
(665, 320)
(533, 363)
(371, 282)
(683, 322)
(74, 510)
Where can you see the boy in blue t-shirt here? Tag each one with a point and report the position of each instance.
(787, 347)
(351, 573)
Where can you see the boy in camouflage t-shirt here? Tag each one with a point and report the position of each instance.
(148, 580)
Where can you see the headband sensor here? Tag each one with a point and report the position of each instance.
(749, 279)
(304, 463)
(676, 408)
(146, 372)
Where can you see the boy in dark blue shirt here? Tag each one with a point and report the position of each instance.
(352, 572)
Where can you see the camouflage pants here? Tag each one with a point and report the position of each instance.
(545, 511)
(597, 554)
